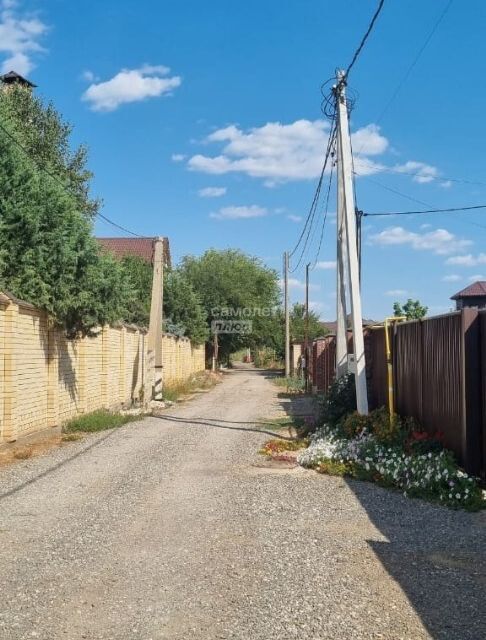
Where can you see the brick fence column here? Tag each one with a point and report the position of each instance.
(52, 377)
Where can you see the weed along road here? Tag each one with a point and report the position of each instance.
(173, 527)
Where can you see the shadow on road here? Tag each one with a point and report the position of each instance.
(214, 422)
(436, 555)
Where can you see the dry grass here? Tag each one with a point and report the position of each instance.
(197, 383)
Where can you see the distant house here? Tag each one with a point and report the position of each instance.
(12, 78)
(472, 296)
(138, 247)
(331, 326)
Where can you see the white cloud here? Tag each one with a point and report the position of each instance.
(452, 277)
(212, 192)
(396, 292)
(131, 85)
(279, 152)
(238, 213)
(178, 157)
(423, 172)
(439, 241)
(20, 37)
(294, 218)
(299, 285)
(467, 260)
(425, 226)
(476, 277)
(326, 264)
(446, 184)
(369, 141)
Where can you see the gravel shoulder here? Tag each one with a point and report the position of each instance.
(173, 528)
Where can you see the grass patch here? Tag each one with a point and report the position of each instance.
(199, 382)
(292, 384)
(97, 421)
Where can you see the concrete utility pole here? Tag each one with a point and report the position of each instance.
(156, 316)
(286, 310)
(345, 168)
(341, 318)
(306, 328)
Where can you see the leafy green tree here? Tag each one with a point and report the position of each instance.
(43, 133)
(297, 324)
(183, 310)
(233, 285)
(48, 254)
(412, 309)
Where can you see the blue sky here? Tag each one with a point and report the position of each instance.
(203, 124)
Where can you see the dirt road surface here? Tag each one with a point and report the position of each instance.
(174, 528)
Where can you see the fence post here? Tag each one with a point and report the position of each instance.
(105, 355)
(122, 376)
(52, 378)
(471, 390)
(81, 376)
(9, 432)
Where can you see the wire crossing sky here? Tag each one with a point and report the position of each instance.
(203, 124)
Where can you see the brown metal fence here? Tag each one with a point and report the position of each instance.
(439, 367)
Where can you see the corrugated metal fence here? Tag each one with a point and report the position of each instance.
(439, 369)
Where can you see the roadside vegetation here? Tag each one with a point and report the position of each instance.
(97, 421)
(292, 384)
(395, 453)
(202, 381)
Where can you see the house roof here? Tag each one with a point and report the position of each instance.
(139, 247)
(474, 290)
(12, 76)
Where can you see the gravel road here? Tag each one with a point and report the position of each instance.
(174, 528)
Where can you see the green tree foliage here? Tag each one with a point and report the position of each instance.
(234, 285)
(48, 255)
(297, 324)
(412, 309)
(183, 311)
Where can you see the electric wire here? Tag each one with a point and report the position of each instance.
(363, 40)
(311, 214)
(314, 205)
(59, 181)
(326, 209)
(415, 60)
(412, 213)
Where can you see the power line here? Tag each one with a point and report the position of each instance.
(411, 213)
(310, 216)
(364, 39)
(59, 181)
(315, 202)
(415, 60)
(418, 174)
(323, 219)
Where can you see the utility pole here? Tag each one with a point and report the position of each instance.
(156, 317)
(286, 311)
(306, 329)
(341, 318)
(345, 168)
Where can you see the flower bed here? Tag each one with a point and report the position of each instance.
(398, 463)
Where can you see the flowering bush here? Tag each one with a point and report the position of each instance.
(433, 475)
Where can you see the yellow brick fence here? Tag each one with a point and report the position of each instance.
(46, 379)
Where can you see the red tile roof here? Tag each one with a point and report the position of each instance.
(476, 289)
(139, 247)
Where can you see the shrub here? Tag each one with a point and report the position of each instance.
(339, 401)
(387, 429)
(355, 423)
